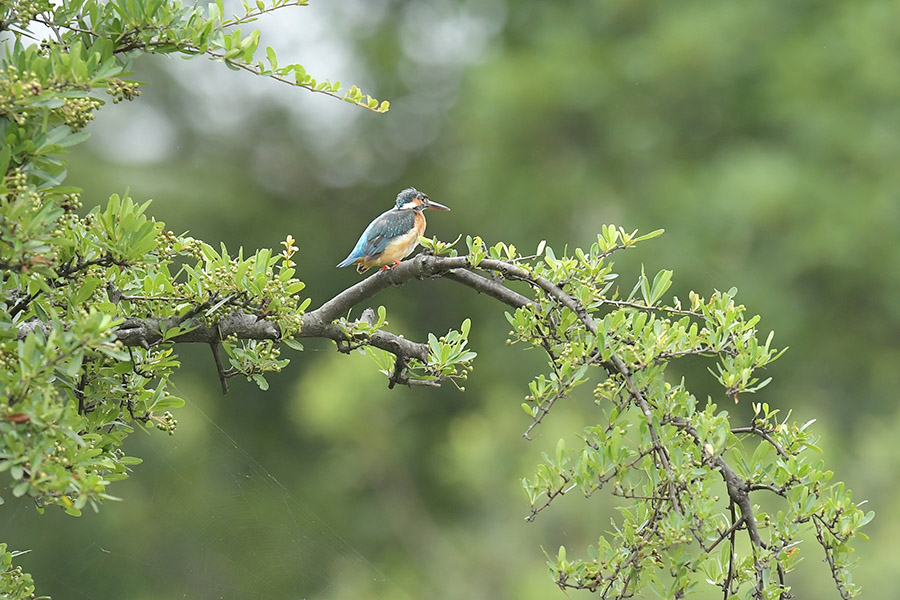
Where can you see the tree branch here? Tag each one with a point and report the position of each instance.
(764, 435)
(146, 332)
(738, 489)
(424, 266)
(220, 367)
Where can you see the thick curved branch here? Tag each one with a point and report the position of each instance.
(424, 266)
(149, 331)
(380, 339)
(319, 323)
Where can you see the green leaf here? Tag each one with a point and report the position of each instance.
(73, 368)
(167, 402)
(5, 155)
(87, 288)
(434, 346)
(560, 452)
(661, 284)
(293, 344)
(650, 236)
(295, 287)
(260, 381)
(645, 287)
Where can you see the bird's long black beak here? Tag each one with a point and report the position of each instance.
(435, 205)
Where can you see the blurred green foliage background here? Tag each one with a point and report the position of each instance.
(762, 136)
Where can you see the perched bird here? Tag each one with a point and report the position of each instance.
(394, 234)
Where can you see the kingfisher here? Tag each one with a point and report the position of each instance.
(394, 234)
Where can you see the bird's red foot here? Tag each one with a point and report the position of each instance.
(388, 267)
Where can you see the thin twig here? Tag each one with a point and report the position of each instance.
(220, 368)
(764, 435)
(644, 307)
(726, 585)
(727, 533)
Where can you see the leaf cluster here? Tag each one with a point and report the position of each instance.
(92, 304)
(448, 356)
(93, 42)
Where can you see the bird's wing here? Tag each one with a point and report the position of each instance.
(382, 230)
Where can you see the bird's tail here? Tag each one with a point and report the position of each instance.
(347, 262)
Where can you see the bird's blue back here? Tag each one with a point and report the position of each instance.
(387, 226)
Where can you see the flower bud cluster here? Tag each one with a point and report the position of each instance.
(122, 90)
(70, 202)
(78, 112)
(18, 189)
(167, 422)
(14, 87)
(17, 181)
(26, 10)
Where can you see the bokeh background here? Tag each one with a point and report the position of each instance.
(762, 136)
